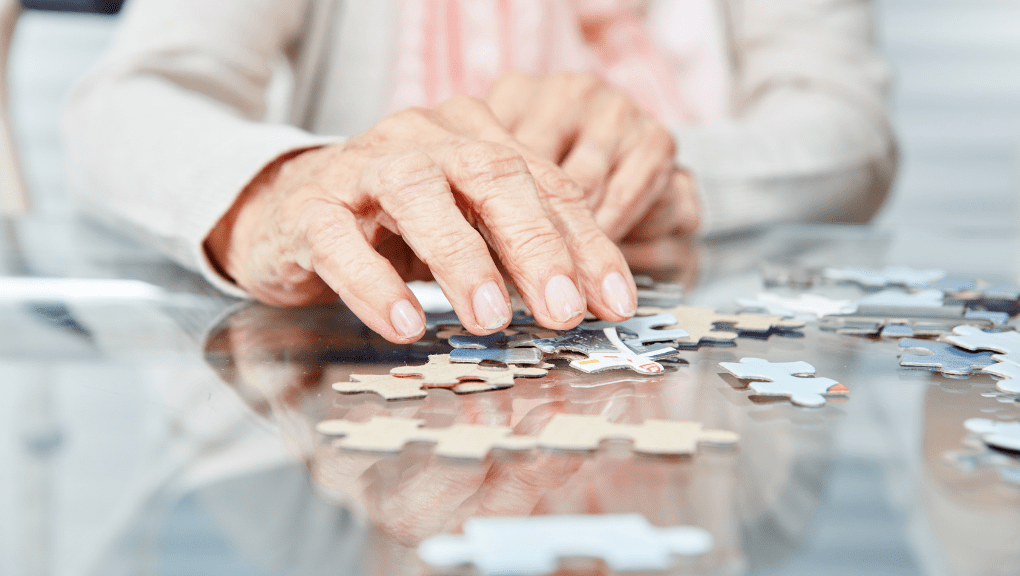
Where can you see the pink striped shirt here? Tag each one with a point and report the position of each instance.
(668, 55)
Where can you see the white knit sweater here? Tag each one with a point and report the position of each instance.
(172, 124)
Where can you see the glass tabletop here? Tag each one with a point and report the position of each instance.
(153, 426)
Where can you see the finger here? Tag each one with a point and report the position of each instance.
(611, 117)
(413, 190)
(642, 177)
(551, 124)
(335, 248)
(510, 96)
(675, 213)
(603, 271)
(600, 269)
(497, 190)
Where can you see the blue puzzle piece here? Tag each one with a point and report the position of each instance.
(504, 355)
(944, 357)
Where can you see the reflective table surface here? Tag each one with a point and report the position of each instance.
(152, 426)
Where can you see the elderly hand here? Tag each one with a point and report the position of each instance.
(621, 156)
(451, 182)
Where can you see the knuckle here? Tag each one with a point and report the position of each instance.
(527, 242)
(410, 170)
(557, 185)
(484, 162)
(660, 139)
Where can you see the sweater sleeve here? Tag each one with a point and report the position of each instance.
(810, 137)
(166, 132)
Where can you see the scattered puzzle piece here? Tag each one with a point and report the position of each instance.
(1010, 374)
(384, 434)
(501, 339)
(925, 322)
(897, 331)
(504, 355)
(781, 379)
(584, 432)
(604, 350)
(944, 357)
(700, 323)
(441, 372)
(1006, 345)
(510, 546)
(642, 361)
(808, 304)
(888, 276)
(1003, 435)
(642, 329)
(922, 299)
(388, 386)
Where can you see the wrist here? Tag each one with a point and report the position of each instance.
(225, 242)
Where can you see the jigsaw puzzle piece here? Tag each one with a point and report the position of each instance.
(504, 355)
(1010, 374)
(808, 304)
(897, 331)
(1003, 435)
(888, 276)
(642, 329)
(499, 339)
(785, 379)
(388, 386)
(660, 437)
(944, 357)
(509, 546)
(385, 434)
(641, 361)
(1006, 345)
(440, 371)
(575, 340)
(923, 299)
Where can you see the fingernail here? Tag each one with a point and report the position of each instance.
(616, 294)
(562, 298)
(491, 309)
(406, 320)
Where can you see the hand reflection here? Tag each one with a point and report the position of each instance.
(283, 362)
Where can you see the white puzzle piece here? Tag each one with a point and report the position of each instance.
(783, 379)
(509, 546)
(1010, 374)
(888, 276)
(1006, 345)
(806, 304)
(922, 299)
(623, 357)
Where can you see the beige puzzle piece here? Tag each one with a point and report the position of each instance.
(386, 385)
(384, 434)
(440, 371)
(584, 432)
(700, 323)
(563, 432)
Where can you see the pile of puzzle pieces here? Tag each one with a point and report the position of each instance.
(492, 362)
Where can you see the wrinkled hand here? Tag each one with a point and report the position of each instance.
(622, 157)
(451, 182)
